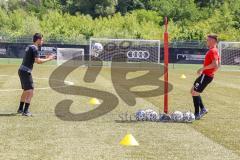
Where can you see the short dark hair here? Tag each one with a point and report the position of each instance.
(37, 36)
(213, 36)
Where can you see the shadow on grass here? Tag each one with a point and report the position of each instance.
(135, 121)
(8, 114)
(127, 121)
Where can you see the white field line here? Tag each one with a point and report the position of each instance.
(41, 88)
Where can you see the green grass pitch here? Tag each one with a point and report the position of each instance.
(44, 136)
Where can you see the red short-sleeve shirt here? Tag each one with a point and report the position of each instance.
(211, 55)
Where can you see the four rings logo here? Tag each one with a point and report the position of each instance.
(138, 54)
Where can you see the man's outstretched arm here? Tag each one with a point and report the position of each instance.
(41, 60)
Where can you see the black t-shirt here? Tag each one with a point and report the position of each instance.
(30, 55)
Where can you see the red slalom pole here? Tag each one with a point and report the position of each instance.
(166, 57)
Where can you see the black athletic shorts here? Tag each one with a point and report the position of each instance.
(26, 80)
(201, 83)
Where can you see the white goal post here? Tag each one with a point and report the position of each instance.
(76, 55)
(130, 50)
(230, 55)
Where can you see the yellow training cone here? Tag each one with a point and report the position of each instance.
(94, 101)
(129, 140)
(183, 76)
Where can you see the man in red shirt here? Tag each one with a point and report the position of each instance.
(210, 66)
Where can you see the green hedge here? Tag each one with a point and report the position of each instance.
(187, 22)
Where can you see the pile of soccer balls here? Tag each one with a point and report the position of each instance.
(177, 116)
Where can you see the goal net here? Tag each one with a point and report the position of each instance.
(230, 55)
(126, 50)
(73, 55)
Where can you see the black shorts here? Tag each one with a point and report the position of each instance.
(26, 80)
(201, 83)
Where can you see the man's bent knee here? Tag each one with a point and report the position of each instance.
(194, 93)
(29, 94)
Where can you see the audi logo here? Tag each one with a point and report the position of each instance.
(138, 54)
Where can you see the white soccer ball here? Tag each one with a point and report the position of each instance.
(97, 48)
(151, 115)
(163, 117)
(140, 115)
(192, 117)
(188, 117)
(177, 116)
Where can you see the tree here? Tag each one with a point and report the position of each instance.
(209, 3)
(125, 6)
(94, 8)
(72, 20)
(178, 10)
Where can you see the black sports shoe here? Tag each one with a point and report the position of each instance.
(19, 111)
(203, 112)
(28, 114)
(197, 116)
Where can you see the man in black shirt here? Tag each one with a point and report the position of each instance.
(24, 72)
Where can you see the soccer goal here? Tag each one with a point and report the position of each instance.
(230, 55)
(75, 55)
(126, 50)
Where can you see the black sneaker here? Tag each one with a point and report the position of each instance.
(203, 112)
(197, 116)
(19, 111)
(28, 114)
